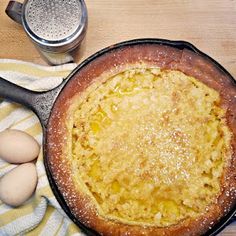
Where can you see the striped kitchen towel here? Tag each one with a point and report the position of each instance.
(41, 214)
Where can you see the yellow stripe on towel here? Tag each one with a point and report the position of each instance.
(30, 70)
(7, 110)
(45, 191)
(34, 130)
(72, 229)
(17, 212)
(22, 120)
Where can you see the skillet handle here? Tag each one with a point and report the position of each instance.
(39, 102)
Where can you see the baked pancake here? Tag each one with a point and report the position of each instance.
(149, 146)
(143, 142)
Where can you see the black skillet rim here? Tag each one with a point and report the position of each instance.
(176, 44)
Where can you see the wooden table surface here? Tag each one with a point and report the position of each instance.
(209, 25)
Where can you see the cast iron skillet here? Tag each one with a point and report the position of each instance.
(42, 103)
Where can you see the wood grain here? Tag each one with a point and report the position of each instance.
(209, 25)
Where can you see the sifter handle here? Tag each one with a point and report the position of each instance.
(14, 11)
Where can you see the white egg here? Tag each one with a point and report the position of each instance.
(18, 185)
(17, 146)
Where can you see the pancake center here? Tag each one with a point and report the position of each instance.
(150, 146)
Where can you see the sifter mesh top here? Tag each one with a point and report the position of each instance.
(53, 20)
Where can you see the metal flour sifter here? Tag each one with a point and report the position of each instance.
(56, 27)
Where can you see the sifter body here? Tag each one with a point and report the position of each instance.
(56, 27)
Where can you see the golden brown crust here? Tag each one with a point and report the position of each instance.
(155, 55)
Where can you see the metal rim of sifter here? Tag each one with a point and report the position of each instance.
(55, 26)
